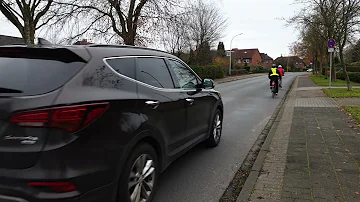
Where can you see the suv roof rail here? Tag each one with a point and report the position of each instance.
(124, 46)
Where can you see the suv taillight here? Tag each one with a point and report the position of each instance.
(69, 118)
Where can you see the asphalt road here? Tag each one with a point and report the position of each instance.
(203, 174)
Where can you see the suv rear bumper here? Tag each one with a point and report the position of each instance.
(104, 193)
(11, 199)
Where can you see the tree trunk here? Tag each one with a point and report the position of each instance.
(344, 69)
(129, 39)
(28, 33)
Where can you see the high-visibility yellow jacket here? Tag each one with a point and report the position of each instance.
(274, 72)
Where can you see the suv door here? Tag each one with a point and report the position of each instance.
(199, 101)
(162, 106)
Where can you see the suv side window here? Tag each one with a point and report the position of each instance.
(185, 77)
(124, 66)
(153, 71)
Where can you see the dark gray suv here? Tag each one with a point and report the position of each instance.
(97, 122)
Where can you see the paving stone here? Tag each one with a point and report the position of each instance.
(314, 152)
(296, 193)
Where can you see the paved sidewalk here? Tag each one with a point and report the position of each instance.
(314, 154)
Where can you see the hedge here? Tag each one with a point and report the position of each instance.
(239, 71)
(260, 71)
(353, 68)
(353, 76)
(209, 71)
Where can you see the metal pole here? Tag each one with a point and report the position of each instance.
(287, 64)
(230, 60)
(330, 69)
(231, 52)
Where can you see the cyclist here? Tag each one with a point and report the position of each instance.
(274, 75)
(282, 73)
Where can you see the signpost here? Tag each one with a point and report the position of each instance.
(311, 66)
(331, 47)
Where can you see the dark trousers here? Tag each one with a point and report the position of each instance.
(276, 80)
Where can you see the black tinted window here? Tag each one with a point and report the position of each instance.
(153, 71)
(185, 77)
(124, 66)
(34, 76)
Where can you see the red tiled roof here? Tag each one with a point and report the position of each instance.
(265, 56)
(245, 53)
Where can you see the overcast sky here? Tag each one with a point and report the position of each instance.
(258, 20)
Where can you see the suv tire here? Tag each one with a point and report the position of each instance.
(141, 170)
(216, 130)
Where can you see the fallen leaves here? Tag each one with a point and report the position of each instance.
(357, 193)
(347, 150)
(260, 197)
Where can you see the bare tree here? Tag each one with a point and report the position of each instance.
(26, 15)
(175, 35)
(206, 23)
(337, 19)
(124, 21)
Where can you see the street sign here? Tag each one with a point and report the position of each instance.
(228, 53)
(330, 50)
(311, 62)
(331, 43)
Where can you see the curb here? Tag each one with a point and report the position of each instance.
(268, 132)
(239, 78)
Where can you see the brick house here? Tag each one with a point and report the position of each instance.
(251, 57)
(267, 61)
(293, 61)
(9, 40)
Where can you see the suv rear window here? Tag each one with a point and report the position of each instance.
(21, 75)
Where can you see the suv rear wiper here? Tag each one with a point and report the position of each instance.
(9, 90)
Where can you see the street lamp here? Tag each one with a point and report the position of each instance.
(231, 52)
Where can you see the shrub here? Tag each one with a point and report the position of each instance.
(355, 64)
(353, 68)
(260, 71)
(247, 68)
(239, 71)
(211, 71)
(353, 76)
(237, 66)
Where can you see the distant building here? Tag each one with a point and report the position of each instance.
(10, 40)
(267, 61)
(293, 62)
(251, 57)
(83, 42)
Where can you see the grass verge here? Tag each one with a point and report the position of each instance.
(342, 92)
(354, 111)
(321, 81)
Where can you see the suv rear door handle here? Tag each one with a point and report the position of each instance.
(190, 101)
(153, 104)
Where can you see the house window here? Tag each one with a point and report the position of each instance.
(239, 61)
(266, 61)
(296, 63)
(246, 61)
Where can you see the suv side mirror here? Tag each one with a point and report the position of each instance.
(208, 83)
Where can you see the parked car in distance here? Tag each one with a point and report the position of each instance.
(309, 70)
(97, 122)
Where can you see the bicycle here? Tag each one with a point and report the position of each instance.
(280, 83)
(273, 89)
